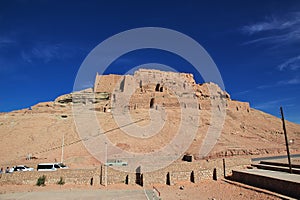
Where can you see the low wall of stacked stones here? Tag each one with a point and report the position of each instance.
(74, 176)
(174, 173)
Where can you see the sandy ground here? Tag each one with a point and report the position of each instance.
(212, 190)
(208, 190)
(39, 132)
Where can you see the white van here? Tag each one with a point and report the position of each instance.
(46, 167)
(50, 166)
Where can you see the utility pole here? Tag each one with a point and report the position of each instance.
(62, 148)
(286, 141)
(224, 168)
(105, 164)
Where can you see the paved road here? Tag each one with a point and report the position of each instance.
(84, 195)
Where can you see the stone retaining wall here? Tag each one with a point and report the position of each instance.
(75, 176)
(176, 172)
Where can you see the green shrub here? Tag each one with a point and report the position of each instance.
(61, 181)
(41, 181)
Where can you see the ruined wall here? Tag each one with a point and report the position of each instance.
(147, 87)
(74, 176)
(238, 106)
(106, 83)
(177, 172)
(156, 76)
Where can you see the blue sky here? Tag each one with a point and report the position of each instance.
(255, 45)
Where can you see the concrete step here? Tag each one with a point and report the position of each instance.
(276, 168)
(279, 164)
(279, 182)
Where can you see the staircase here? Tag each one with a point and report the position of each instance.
(273, 176)
(277, 166)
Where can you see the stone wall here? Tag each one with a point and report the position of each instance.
(176, 172)
(74, 176)
(238, 106)
(165, 88)
(106, 83)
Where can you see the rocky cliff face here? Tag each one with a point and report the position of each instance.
(39, 130)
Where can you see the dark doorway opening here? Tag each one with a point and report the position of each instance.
(122, 85)
(138, 176)
(141, 84)
(157, 87)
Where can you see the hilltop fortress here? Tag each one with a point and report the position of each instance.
(149, 88)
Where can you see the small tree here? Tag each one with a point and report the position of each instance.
(41, 181)
(61, 181)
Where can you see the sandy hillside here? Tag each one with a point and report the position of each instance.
(39, 130)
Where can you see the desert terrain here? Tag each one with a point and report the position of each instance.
(37, 132)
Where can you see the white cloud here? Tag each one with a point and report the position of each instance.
(284, 30)
(292, 64)
(46, 52)
(26, 57)
(261, 87)
(241, 93)
(5, 41)
(271, 104)
(293, 81)
(278, 40)
(273, 23)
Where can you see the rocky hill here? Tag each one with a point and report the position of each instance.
(38, 131)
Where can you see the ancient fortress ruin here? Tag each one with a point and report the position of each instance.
(151, 88)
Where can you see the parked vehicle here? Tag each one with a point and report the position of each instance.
(46, 167)
(10, 170)
(61, 166)
(115, 162)
(50, 166)
(22, 168)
